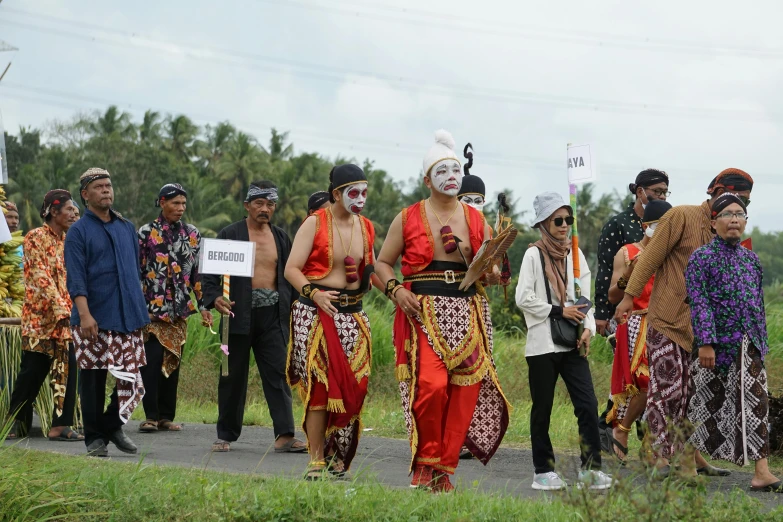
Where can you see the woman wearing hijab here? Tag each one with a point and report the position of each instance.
(554, 347)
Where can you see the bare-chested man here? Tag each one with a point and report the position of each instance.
(443, 335)
(260, 310)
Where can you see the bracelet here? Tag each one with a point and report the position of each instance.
(307, 291)
(622, 283)
(391, 284)
(395, 290)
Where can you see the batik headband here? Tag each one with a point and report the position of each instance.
(54, 198)
(257, 193)
(169, 191)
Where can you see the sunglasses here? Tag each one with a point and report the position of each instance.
(559, 221)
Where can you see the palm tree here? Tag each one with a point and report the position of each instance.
(113, 122)
(591, 216)
(278, 150)
(241, 164)
(181, 133)
(206, 210)
(27, 190)
(212, 149)
(150, 128)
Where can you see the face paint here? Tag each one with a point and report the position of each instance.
(474, 200)
(650, 230)
(446, 177)
(354, 197)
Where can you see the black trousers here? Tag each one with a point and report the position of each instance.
(270, 350)
(32, 374)
(160, 392)
(575, 371)
(99, 423)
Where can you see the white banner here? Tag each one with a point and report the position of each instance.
(3, 162)
(581, 164)
(226, 257)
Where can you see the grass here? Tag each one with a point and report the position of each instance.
(43, 486)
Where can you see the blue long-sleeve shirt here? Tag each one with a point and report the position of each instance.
(102, 263)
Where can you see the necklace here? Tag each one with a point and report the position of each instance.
(351, 271)
(446, 234)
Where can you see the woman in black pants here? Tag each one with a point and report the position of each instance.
(555, 347)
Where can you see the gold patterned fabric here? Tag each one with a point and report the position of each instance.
(57, 350)
(172, 337)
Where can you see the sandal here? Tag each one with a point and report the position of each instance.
(68, 435)
(623, 460)
(315, 470)
(335, 466)
(288, 447)
(167, 425)
(13, 433)
(148, 426)
(221, 446)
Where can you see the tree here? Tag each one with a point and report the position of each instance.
(150, 128)
(241, 164)
(112, 123)
(278, 150)
(180, 134)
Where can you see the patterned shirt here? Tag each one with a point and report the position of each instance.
(622, 229)
(46, 299)
(679, 233)
(727, 300)
(168, 254)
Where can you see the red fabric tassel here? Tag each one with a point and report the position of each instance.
(343, 387)
(621, 368)
(447, 236)
(351, 271)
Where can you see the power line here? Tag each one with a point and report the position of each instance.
(342, 76)
(523, 165)
(420, 17)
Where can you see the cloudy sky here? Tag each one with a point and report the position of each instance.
(689, 87)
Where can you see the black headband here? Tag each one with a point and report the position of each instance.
(317, 199)
(724, 200)
(472, 184)
(54, 198)
(86, 180)
(170, 190)
(343, 175)
(648, 178)
(655, 210)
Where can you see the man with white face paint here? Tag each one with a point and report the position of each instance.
(472, 192)
(631, 373)
(331, 265)
(442, 335)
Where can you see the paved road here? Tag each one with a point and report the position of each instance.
(509, 472)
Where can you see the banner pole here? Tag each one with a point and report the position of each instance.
(224, 329)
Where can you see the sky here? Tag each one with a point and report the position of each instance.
(687, 87)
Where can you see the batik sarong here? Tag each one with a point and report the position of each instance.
(729, 410)
(122, 355)
(667, 394)
(329, 377)
(631, 375)
(459, 332)
(172, 337)
(57, 350)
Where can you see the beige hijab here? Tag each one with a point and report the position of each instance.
(555, 253)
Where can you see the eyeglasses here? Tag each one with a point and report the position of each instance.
(559, 221)
(661, 193)
(741, 216)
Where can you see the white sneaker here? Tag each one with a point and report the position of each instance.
(550, 481)
(595, 479)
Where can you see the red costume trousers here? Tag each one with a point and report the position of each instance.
(443, 411)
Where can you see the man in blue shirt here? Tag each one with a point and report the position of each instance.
(102, 260)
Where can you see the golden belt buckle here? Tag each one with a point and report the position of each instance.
(450, 277)
(343, 300)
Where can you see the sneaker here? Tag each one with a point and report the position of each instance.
(550, 481)
(442, 484)
(595, 479)
(422, 477)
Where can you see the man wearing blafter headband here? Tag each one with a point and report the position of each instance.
(442, 334)
(669, 333)
(259, 309)
(331, 264)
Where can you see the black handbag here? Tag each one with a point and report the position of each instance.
(564, 332)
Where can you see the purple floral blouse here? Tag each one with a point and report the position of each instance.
(727, 300)
(169, 268)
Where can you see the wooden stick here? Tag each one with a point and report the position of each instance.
(224, 330)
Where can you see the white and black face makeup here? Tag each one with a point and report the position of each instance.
(474, 200)
(446, 177)
(354, 197)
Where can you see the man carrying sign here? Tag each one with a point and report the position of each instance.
(169, 251)
(329, 360)
(259, 308)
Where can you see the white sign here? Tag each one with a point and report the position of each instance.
(581, 168)
(226, 257)
(3, 162)
(5, 232)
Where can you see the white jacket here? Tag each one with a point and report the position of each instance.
(531, 299)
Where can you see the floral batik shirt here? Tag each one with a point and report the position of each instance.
(47, 304)
(727, 300)
(169, 268)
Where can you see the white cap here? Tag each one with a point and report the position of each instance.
(442, 149)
